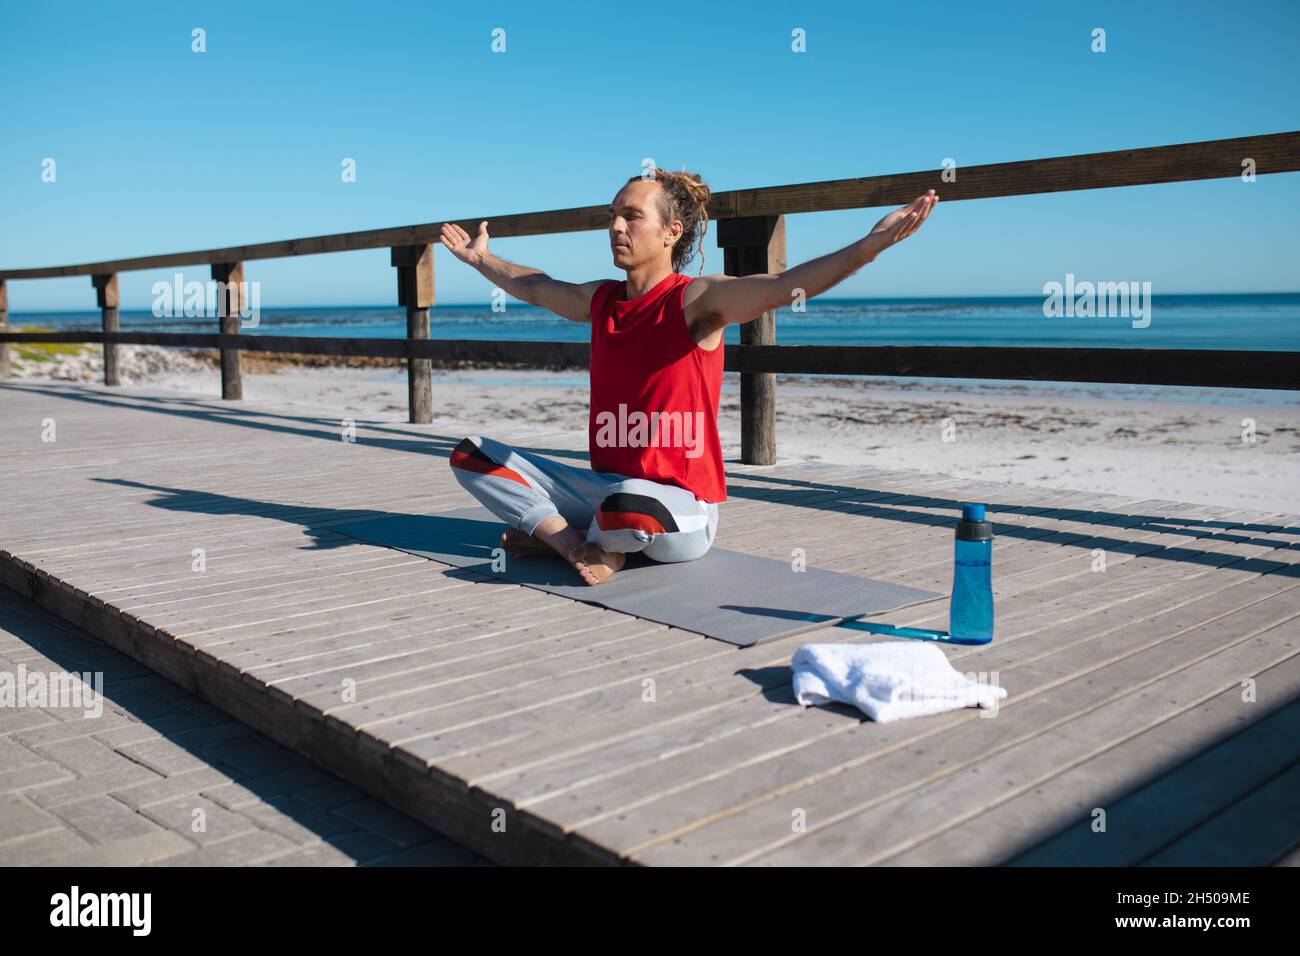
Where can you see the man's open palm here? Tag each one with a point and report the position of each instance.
(460, 245)
(901, 223)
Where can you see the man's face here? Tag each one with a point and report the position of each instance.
(636, 234)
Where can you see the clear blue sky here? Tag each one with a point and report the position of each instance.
(160, 149)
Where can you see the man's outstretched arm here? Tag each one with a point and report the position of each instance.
(567, 299)
(727, 300)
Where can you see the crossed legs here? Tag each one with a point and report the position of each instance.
(590, 519)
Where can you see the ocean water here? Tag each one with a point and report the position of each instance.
(1265, 321)
(1238, 321)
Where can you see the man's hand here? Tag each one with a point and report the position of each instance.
(460, 245)
(567, 299)
(901, 223)
(714, 301)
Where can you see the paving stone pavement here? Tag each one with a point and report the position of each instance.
(160, 777)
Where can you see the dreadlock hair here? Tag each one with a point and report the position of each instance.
(683, 196)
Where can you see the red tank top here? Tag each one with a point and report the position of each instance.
(654, 391)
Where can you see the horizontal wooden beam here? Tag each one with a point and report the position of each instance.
(575, 354)
(1220, 368)
(1212, 159)
(1203, 367)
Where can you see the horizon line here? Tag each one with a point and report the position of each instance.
(461, 305)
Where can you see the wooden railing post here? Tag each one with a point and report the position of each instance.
(415, 291)
(755, 244)
(107, 300)
(4, 327)
(229, 304)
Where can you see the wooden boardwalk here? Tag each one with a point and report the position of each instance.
(122, 786)
(518, 723)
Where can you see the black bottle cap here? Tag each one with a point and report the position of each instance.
(973, 526)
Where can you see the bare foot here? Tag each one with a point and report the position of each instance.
(558, 535)
(525, 545)
(595, 566)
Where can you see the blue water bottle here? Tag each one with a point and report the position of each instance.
(971, 613)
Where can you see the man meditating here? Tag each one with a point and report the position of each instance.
(656, 474)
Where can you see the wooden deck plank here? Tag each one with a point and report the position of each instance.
(314, 650)
(1073, 602)
(707, 653)
(217, 588)
(863, 810)
(538, 705)
(303, 650)
(1257, 831)
(1153, 786)
(485, 646)
(712, 789)
(404, 714)
(1029, 546)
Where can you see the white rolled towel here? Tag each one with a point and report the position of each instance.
(887, 681)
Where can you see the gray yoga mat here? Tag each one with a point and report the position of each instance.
(733, 597)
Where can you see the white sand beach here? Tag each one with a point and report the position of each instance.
(1081, 438)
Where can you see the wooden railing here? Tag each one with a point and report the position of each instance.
(751, 232)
